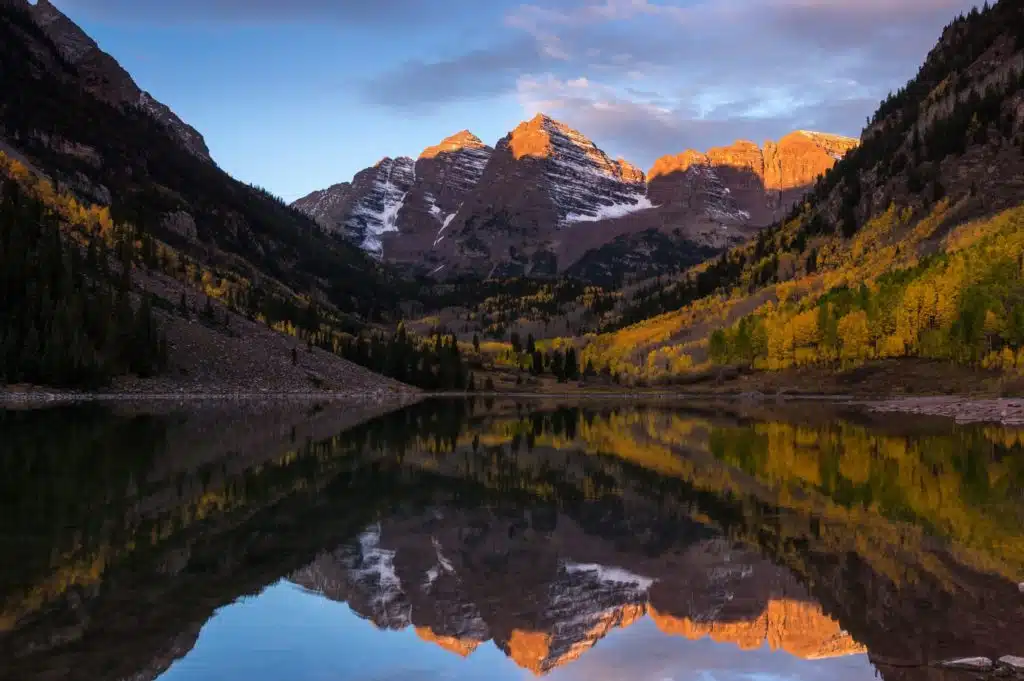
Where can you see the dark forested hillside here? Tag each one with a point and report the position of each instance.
(123, 157)
(67, 312)
(97, 195)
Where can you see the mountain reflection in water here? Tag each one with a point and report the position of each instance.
(497, 539)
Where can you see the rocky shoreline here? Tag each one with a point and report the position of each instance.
(1005, 411)
(963, 410)
(13, 398)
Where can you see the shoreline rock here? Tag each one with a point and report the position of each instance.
(36, 397)
(978, 664)
(1004, 666)
(1006, 411)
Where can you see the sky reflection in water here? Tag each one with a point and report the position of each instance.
(287, 632)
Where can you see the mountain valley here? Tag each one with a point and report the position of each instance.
(540, 263)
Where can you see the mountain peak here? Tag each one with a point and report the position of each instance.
(463, 139)
(676, 163)
(463, 136)
(537, 138)
(389, 160)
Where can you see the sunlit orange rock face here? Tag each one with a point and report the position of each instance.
(463, 139)
(453, 644)
(530, 138)
(628, 171)
(677, 163)
(534, 650)
(799, 628)
(800, 157)
(794, 161)
(763, 183)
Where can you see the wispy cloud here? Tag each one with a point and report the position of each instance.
(640, 76)
(646, 77)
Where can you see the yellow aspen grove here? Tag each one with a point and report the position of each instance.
(853, 332)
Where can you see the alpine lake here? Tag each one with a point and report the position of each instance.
(499, 538)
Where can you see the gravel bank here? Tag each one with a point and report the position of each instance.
(1007, 411)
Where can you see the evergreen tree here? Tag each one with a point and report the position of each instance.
(558, 365)
(538, 363)
(572, 369)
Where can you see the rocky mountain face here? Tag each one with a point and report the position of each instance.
(104, 77)
(328, 206)
(422, 196)
(546, 591)
(445, 175)
(548, 200)
(543, 178)
(743, 183)
(376, 197)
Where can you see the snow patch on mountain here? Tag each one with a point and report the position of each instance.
(376, 211)
(444, 225)
(609, 574)
(432, 207)
(374, 569)
(616, 210)
(719, 205)
(444, 566)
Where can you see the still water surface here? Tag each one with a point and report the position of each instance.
(505, 540)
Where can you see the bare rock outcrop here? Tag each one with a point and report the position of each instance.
(104, 77)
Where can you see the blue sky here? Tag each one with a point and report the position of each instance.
(297, 95)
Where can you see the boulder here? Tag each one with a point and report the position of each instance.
(978, 664)
(1012, 663)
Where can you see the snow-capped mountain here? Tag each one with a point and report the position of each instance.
(378, 194)
(546, 197)
(445, 174)
(543, 178)
(463, 578)
(583, 183)
(366, 208)
(415, 199)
